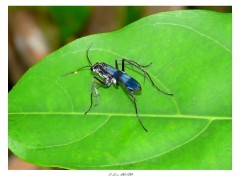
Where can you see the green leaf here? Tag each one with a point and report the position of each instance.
(191, 56)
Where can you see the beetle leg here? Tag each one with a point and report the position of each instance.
(135, 64)
(97, 95)
(95, 91)
(123, 65)
(91, 96)
(136, 109)
(116, 64)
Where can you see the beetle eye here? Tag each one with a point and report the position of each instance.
(94, 68)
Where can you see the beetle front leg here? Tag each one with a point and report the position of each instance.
(95, 91)
(91, 96)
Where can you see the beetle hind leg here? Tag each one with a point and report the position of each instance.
(146, 74)
(136, 110)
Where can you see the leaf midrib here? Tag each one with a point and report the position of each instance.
(185, 116)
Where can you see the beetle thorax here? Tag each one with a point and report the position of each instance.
(98, 68)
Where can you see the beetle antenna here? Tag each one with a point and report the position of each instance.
(90, 63)
(76, 71)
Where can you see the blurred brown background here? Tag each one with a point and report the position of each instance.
(34, 32)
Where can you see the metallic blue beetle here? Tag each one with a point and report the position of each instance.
(110, 75)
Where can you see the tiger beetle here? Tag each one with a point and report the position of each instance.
(110, 75)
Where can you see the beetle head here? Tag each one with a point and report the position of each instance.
(97, 67)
